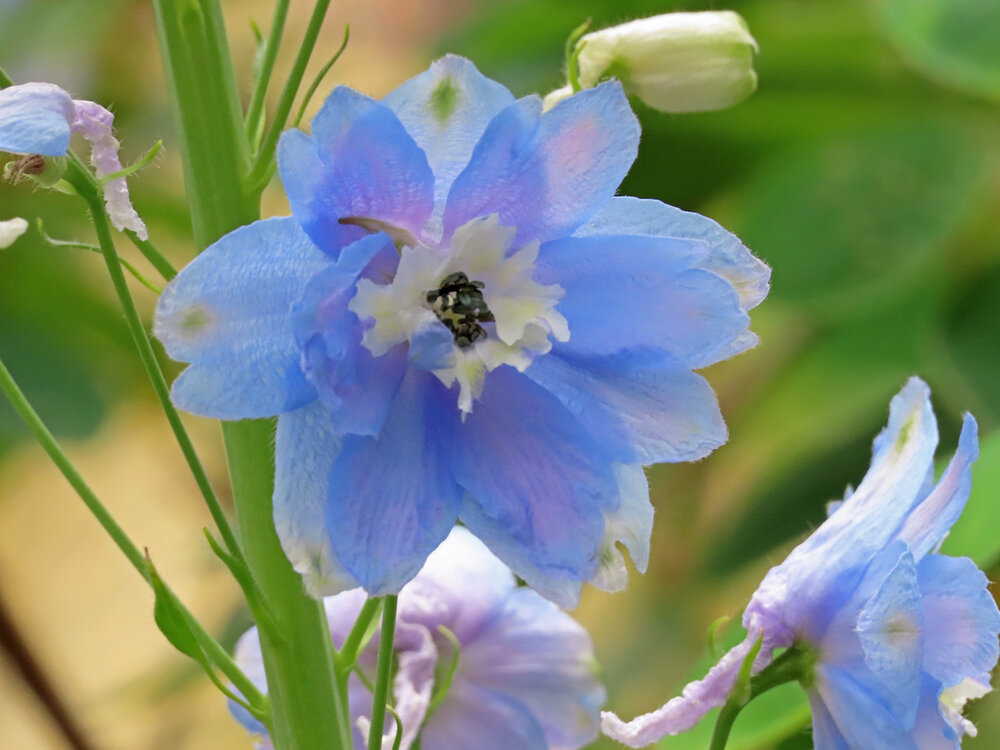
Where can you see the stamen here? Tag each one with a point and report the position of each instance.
(459, 304)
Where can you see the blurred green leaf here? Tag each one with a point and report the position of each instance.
(975, 534)
(853, 220)
(956, 42)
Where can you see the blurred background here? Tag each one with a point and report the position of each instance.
(865, 171)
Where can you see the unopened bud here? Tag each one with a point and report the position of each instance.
(44, 170)
(675, 62)
(10, 230)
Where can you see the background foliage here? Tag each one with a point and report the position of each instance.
(865, 171)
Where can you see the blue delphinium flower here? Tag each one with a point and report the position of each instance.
(525, 670)
(40, 118)
(900, 636)
(460, 321)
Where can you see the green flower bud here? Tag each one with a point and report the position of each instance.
(44, 170)
(675, 62)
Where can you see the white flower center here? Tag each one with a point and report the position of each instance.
(466, 309)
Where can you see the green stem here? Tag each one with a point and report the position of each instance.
(83, 181)
(793, 665)
(263, 167)
(320, 76)
(49, 444)
(154, 256)
(383, 672)
(256, 109)
(350, 651)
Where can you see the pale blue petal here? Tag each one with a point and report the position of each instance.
(961, 620)
(623, 292)
(547, 174)
(359, 162)
(227, 313)
(432, 346)
(391, 498)
(630, 525)
(863, 719)
(537, 654)
(644, 406)
(446, 109)
(305, 450)
(928, 523)
(530, 467)
(727, 256)
(35, 119)
(826, 736)
(474, 718)
(357, 387)
(933, 731)
(890, 628)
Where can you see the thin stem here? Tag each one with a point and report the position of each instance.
(383, 671)
(256, 108)
(155, 258)
(353, 643)
(320, 76)
(49, 444)
(262, 168)
(148, 357)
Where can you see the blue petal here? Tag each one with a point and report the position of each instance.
(931, 520)
(391, 498)
(227, 313)
(446, 109)
(357, 387)
(727, 256)
(961, 621)
(932, 730)
(537, 654)
(890, 628)
(535, 473)
(624, 292)
(432, 346)
(863, 719)
(305, 450)
(547, 174)
(475, 718)
(644, 406)
(826, 736)
(35, 119)
(359, 162)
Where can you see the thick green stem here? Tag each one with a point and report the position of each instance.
(383, 672)
(306, 708)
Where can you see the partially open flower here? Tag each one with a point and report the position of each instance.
(38, 119)
(675, 62)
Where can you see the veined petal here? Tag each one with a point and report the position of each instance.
(727, 256)
(961, 621)
(475, 718)
(930, 521)
(358, 387)
(227, 313)
(643, 405)
(526, 463)
(537, 654)
(547, 174)
(623, 292)
(446, 109)
(35, 119)
(359, 163)
(391, 498)
(305, 450)
(826, 736)
(860, 714)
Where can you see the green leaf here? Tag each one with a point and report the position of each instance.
(171, 620)
(956, 42)
(975, 534)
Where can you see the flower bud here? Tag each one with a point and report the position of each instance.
(45, 171)
(675, 62)
(11, 230)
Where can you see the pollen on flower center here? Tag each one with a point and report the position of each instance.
(459, 304)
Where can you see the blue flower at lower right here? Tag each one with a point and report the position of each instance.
(898, 636)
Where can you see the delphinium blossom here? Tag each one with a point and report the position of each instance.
(38, 120)
(525, 670)
(461, 321)
(895, 636)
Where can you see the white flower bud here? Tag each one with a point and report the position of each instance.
(10, 230)
(675, 62)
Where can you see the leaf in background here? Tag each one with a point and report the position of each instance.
(956, 42)
(977, 532)
(848, 223)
